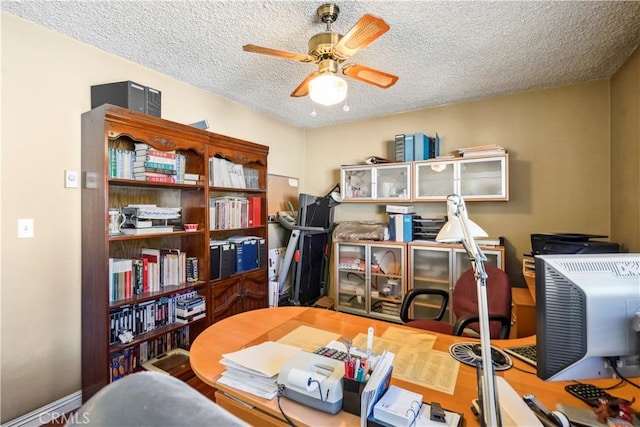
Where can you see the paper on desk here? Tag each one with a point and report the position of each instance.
(263, 359)
(429, 368)
(423, 366)
(406, 336)
(379, 344)
(308, 338)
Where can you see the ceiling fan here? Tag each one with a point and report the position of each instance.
(328, 50)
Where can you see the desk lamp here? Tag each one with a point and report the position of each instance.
(460, 228)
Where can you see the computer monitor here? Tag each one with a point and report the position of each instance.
(587, 312)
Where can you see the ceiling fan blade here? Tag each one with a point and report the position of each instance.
(366, 30)
(370, 75)
(277, 53)
(303, 88)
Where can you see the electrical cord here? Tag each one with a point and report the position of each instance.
(280, 392)
(614, 366)
(524, 370)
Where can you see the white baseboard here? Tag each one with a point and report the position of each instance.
(48, 412)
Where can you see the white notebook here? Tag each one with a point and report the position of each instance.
(398, 407)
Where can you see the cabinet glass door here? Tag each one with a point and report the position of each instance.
(357, 183)
(462, 263)
(351, 279)
(387, 280)
(430, 268)
(483, 178)
(434, 180)
(393, 182)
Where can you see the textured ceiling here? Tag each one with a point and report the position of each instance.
(443, 52)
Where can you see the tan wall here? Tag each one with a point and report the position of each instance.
(45, 88)
(625, 154)
(558, 140)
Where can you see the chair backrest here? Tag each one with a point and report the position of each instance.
(465, 296)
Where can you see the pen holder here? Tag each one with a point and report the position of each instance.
(351, 395)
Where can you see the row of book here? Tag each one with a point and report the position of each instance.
(225, 173)
(235, 255)
(150, 165)
(136, 319)
(230, 212)
(416, 146)
(129, 360)
(150, 272)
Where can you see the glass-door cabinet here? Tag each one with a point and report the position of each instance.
(475, 178)
(370, 278)
(437, 266)
(386, 182)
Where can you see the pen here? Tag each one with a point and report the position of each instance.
(369, 341)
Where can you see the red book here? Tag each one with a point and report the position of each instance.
(255, 211)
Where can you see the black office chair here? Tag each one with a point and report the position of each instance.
(465, 305)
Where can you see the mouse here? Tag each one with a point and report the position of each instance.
(497, 357)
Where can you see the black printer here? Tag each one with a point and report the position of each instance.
(571, 243)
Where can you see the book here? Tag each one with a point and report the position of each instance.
(255, 216)
(147, 230)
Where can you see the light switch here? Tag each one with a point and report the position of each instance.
(25, 228)
(71, 179)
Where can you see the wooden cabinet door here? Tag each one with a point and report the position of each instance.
(227, 296)
(255, 291)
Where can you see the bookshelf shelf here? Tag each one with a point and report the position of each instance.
(115, 146)
(149, 335)
(149, 296)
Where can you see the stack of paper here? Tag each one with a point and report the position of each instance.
(398, 407)
(255, 369)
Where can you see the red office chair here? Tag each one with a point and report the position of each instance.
(465, 305)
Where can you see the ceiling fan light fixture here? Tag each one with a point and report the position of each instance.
(327, 89)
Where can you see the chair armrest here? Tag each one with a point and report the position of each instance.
(413, 293)
(464, 321)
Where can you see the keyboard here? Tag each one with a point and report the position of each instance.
(526, 353)
(331, 353)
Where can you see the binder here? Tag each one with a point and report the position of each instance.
(227, 260)
(262, 253)
(421, 144)
(409, 154)
(214, 261)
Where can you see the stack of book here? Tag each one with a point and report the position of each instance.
(481, 150)
(188, 310)
(158, 166)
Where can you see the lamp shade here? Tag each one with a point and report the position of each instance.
(452, 231)
(327, 89)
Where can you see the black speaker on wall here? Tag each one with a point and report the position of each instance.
(128, 94)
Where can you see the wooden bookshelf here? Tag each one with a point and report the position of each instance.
(110, 127)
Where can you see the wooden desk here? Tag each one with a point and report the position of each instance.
(270, 324)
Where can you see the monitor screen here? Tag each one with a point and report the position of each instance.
(587, 316)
